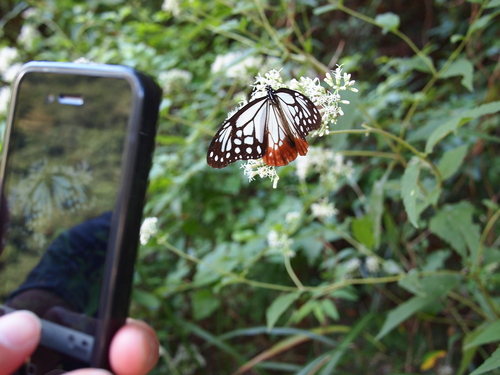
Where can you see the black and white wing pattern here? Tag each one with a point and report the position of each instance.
(273, 127)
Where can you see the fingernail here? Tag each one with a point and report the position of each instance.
(154, 352)
(19, 329)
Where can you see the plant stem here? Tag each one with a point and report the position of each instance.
(290, 270)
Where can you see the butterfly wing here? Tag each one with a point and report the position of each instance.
(272, 127)
(241, 136)
(292, 117)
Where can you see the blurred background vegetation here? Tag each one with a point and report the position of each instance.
(378, 253)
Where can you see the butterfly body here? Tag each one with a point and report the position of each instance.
(273, 127)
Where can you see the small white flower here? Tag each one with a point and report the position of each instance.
(148, 229)
(4, 100)
(184, 361)
(258, 167)
(372, 264)
(303, 164)
(492, 267)
(7, 57)
(174, 78)
(236, 64)
(271, 78)
(83, 60)
(11, 72)
(27, 35)
(30, 13)
(171, 6)
(445, 370)
(323, 209)
(330, 165)
(280, 241)
(352, 265)
(292, 217)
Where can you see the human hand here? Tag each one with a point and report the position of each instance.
(133, 351)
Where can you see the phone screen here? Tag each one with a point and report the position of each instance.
(62, 176)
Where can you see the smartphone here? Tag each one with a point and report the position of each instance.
(73, 176)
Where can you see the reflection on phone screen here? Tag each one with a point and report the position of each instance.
(62, 174)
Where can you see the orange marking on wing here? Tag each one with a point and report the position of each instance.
(286, 153)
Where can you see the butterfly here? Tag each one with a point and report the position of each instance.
(273, 127)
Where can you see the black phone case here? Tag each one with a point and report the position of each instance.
(124, 233)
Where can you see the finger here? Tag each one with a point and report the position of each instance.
(88, 371)
(134, 349)
(19, 336)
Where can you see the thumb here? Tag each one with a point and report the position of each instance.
(19, 336)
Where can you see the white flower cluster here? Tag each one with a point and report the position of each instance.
(271, 78)
(329, 164)
(186, 362)
(372, 264)
(7, 57)
(28, 35)
(280, 241)
(8, 70)
(148, 229)
(323, 209)
(171, 6)
(236, 65)
(352, 265)
(292, 219)
(258, 167)
(328, 102)
(173, 79)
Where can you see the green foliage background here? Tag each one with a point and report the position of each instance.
(403, 279)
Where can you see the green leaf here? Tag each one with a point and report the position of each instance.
(490, 364)
(483, 22)
(456, 38)
(304, 310)
(146, 299)
(431, 288)
(451, 161)
(436, 260)
(339, 353)
(431, 285)
(330, 309)
(410, 282)
(278, 307)
(203, 303)
(319, 313)
(466, 359)
(458, 121)
(409, 191)
(362, 229)
(461, 67)
(453, 223)
(387, 21)
(484, 334)
(493, 4)
(391, 267)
